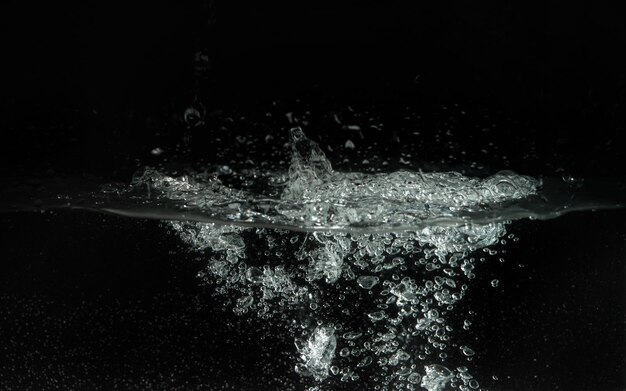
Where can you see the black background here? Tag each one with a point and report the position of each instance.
(90, 88)
(96, 85)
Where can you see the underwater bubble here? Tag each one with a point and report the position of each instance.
(436, 377)
(254, 274)
(367, 282)
(192, 117)
(156, 151)
(364, 362)
(318, 351)
(376, 316)
(351, 335)
(414, 378)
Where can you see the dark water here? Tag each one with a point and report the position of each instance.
(103, 302)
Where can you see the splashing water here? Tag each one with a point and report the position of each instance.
(311, 196)
(367, 280)
(364, 272)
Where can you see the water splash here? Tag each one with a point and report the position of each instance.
(364, 271)
(368, 290)
(312, 196)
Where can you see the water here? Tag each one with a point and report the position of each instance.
(362, 280)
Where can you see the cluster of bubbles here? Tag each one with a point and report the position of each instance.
(364, 298)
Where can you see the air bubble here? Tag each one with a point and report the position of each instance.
(367, 282)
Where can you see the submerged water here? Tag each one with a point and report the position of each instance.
(366, 273)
